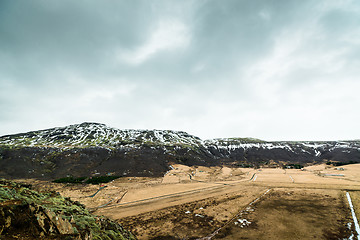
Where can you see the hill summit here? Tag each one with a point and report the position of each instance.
(89, 134)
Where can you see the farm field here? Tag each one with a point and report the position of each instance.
(229, 203)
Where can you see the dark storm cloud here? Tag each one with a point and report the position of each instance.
(212, 68)
(46, 36)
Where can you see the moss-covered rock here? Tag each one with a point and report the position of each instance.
(28, 214)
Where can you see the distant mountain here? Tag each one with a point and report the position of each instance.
(95, 149)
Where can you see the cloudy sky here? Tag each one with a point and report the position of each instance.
(268, 69)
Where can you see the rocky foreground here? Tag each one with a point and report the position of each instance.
(28, 214)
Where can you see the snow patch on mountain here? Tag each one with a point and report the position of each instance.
(96, 134)
(233, 144)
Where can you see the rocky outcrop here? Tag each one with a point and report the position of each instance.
(27, 214)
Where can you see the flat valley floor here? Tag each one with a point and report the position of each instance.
(228, 203)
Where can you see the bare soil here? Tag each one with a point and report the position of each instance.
(294, 214)
(191, 220)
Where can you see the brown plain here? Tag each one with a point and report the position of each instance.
(194, 202)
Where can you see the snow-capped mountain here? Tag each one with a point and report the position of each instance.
(96, 134)
(89, 148)
(313, 148)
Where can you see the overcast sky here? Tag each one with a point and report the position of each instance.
(268, 69)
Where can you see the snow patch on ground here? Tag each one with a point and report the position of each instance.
(243, 222)
(357, 228)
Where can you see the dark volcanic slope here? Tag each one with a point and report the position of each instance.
(89, 148)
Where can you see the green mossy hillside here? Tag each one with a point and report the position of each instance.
(28, 214)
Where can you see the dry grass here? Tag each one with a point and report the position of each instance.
(303, 205)
(294, 214)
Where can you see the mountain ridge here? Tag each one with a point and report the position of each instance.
(94, 148)
(95, 134)
(180, 137)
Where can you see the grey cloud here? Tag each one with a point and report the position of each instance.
(239, 68)
(45, 36)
